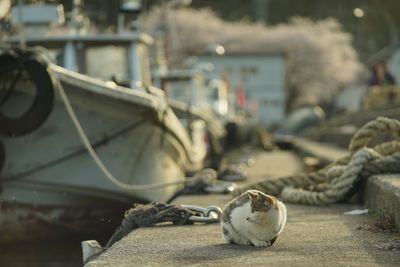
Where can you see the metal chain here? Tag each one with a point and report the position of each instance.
(210, 214)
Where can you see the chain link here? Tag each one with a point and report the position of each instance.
(209, 214)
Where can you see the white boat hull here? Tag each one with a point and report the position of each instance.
(48, 171)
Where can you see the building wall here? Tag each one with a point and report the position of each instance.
(262, 77)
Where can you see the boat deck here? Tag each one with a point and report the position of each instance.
(313, 236)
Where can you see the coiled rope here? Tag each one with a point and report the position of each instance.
(340, 179)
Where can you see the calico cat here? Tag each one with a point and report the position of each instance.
(253, 218)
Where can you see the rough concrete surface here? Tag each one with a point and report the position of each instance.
(382, 194)
(313, 236)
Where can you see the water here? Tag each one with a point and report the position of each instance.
(60, 252)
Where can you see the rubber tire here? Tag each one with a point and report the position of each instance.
(44, 99)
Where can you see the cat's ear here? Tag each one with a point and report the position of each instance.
(270, 200)
(252, 194)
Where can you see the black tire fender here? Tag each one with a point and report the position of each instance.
(2, 156)
(43, 100)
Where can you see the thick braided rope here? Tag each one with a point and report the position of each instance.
(339, 186)
(333, 182)
(275, 187)
(385, 165)
(382, 124)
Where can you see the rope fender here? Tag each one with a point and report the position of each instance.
(341, 179)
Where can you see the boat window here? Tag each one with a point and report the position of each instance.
(179, 89)
(108, 63)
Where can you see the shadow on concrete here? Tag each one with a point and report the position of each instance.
(215, 252)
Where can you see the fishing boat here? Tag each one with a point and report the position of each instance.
(189, 96)
(76, 149)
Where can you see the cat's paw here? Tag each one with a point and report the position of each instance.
(260, 243)
(242, 241)
(238, 240)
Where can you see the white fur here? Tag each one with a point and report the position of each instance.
(257, 228)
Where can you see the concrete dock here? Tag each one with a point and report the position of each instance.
(313, 236)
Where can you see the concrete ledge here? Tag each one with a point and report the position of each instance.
(382, 195)
(325, 152)
(313, 235)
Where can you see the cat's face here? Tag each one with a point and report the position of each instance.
(261, 202)
(260, 205)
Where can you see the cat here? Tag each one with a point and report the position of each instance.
(253, 218)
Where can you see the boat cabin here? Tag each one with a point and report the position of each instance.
(121, 57)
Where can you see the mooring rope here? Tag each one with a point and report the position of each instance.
(136, 217)
(341, 178)
(149, 215)
(365, 134)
